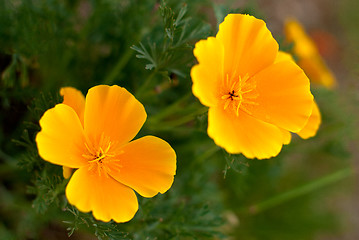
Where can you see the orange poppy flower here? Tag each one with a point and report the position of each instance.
(308, 55)
(252, 98)
(93, 136)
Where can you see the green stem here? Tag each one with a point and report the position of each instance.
(185, 119)
(144, 87)
(208, 153)
(170, 109)
(119, 66)
(300, 191)
(110, 78)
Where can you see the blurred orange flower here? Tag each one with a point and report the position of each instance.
(253, 99)
(93, 136)
(308, 55)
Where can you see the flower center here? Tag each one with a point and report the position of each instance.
(99, 156)
(239, 93)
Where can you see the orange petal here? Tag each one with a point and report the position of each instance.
(244, 134)
(309, 57)
(113, 112)
(147, 165)
(284, 97)
(318, 71)
(75, 99)
(303, 45)
(283, 56)
(207, 74)
(104, 196)
(61, 139)
(312, 126)
(248, 44)
(287, 136)
(66, 172)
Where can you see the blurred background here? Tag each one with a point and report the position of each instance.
(309, 191)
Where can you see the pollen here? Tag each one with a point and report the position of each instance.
(238, 93)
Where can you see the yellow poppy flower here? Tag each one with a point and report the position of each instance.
(109, 166)
(251, 97)
(308, 55)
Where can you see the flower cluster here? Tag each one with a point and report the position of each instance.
(257, 96)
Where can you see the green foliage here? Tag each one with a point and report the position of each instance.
(146, 46)
(100, 229)
(169, 51)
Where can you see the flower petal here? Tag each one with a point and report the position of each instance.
(61, 139)
(209, 71)
(284, 97)
(244, 134)
(283, 56)
(75, 99)
(312, 126)
(308, 54)
(147, 165)
(113, 112)
(104, 196)
(248, 44)
(287, 136)
(66, 172)
(303, 45)
(318, 71)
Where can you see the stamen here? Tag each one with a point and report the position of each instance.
(239, 92)
(232, 88)
(246, 110)
(108, 148)
(249, 90)
(100, 155)
(251, 102)
(226, 96)
(245, 78)
(237, 112)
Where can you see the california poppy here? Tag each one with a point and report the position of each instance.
(251, 97)
(109, 166)
(308, 55)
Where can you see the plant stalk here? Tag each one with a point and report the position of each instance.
(300, 191)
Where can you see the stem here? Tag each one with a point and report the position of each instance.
(170, 109)
(211, 151)
(119, 66)
(186, 118)
(300, 191)
(124, 59)
(145, 85)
